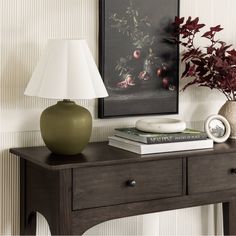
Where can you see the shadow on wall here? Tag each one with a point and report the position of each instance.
(197, 103)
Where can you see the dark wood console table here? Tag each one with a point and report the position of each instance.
(104, 183)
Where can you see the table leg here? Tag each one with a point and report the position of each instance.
(229, 217)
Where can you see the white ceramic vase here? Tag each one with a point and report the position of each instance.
(228, 110)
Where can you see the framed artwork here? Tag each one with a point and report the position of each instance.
(138, 63)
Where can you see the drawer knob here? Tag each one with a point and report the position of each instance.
(233, 171)
(131, 183)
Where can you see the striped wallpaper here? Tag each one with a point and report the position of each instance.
(25, 26)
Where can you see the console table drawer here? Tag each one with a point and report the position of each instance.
(211, 173)
(111, 185)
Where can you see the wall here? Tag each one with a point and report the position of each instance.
(25, 26)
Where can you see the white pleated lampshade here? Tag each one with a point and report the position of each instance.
(66, 70)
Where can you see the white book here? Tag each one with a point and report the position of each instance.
(141, 148)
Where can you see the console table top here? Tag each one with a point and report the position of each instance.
(96, 154)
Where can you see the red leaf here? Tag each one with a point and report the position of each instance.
(191, 71)
(199, 26)
(210, 50)
(195, 21)
(208, 34)
(202, 71)
(216, 28)
(184, 44)
(207, 77)
(232, 52)
(189, 20)
(187, 66)
(227, 47)
(178, 21)
(197, 62)
(221, 42)
(190, 27)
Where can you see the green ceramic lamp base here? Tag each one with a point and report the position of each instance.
(66, 127)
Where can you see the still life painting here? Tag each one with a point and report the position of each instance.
(137, 62)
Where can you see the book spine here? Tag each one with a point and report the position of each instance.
(175, 138)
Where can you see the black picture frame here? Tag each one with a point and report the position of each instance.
(141, 74)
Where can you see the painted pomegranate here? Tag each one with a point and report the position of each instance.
(162, 71)
(129, 81)
(143, 75)
(159, 72)
(137, 54)
(165, 83)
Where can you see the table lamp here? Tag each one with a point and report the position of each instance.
(66, 71)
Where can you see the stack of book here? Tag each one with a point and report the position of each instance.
(136, 141)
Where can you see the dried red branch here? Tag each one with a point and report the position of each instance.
(213, 66)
